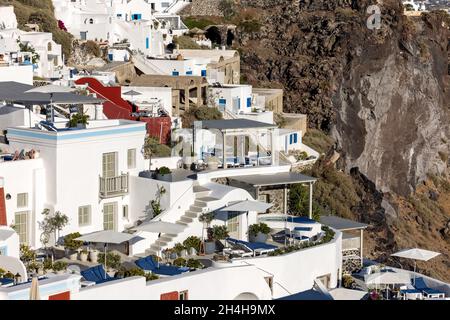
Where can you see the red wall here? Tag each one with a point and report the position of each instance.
(170, 295)
(117, 108)
(60, 296)
(2, 207)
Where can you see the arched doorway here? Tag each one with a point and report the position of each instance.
(213, 34)
(246, 296)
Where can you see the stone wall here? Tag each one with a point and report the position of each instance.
(276, 197)
(205, 8)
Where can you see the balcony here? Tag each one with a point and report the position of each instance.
(113, 186)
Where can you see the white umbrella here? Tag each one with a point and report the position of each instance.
(51, 89)
(132, 93)
(248, 205)
(107, 237)
(389, 277)
(416, 254)
(34, 289)
(160, 227)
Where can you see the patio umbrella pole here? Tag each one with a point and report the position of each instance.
(105, 257)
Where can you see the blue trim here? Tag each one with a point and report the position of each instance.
(56, 137)
(147, 43)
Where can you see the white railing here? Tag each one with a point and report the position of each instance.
(113, 186)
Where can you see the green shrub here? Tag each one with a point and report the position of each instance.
(26, 254)
(194, 264)
(192, 242)
(113, 260)
(219, 232)
(347, 281)
(164, 170)
(185, 42)
(178, 247)
(78, 119)
(48, 264)
(72, 244)
(179, 262)
(254, 229)
(60, 265)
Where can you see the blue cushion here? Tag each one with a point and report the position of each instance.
(96, 274)
(149, 264)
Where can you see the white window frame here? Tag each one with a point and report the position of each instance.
(131, 158)
(82, 213)
(24, 202)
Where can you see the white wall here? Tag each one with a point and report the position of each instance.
(8, 18)
(151, 95)
(208, 284)
(11, 244)
(21, 74)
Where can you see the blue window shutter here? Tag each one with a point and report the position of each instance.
(203, 73)
(249, 102)
(110, 57)
(290, 139)
(147, 43)
(295, 138)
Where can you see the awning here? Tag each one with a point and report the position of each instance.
(233, 124)
(160, 227)
(282, 178)
(416, 254)
(107, 236)
(247, 205)
(15, 92)
(388, 277)
(342, 224)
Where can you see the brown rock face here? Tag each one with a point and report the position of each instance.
(382, 93)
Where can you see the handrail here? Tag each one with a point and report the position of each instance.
(158, 217)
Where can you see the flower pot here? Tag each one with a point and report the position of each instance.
(83, 256)
(164, 177)
(93, 256)
(73, 256)
(192, 252)
(260, 237)
(183, 253)
(210, 247)
(111, 273)
(173, 256)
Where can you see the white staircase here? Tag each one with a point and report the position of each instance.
(190, 216)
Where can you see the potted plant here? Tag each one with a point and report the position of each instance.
(180, 249)
(113, 262)
(84, 255)
(78, 121)
(93, 255)
(193, 245)
(208, 246)
(218, 233)
(60, 267)
(258, 232)
(72, 245)
(213, 163)
(164, 174)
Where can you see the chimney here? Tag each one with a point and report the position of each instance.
(2, 204)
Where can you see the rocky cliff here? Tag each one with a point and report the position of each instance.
(382, 93)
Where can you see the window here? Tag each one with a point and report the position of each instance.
(249, 102)
(131, 158)
(183, 295)
(125, 211)
(136, 16)
(22, 200)
(175, 73)
(291, 138)
(233, 222)
(84, 216)
(189, 73)
(147, 43)
(109, 216)
(109, 165)
(222, 102)
(295, 138)
(49, 46)
(21, 225)
(91, 21)
(119, 15)
(203, 73)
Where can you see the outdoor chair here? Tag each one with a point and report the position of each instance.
(255, 247)
(428, 292)
(96, 274)
(148, 264)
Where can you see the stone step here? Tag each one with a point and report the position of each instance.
(161, 243)
(199, 204)
(195, 209)
(207, 199)
(182, 222)
(191, 214)
(186, 219)
(166, 238)
(200, 189)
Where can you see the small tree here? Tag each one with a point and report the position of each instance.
(206, 218)
(219, 233)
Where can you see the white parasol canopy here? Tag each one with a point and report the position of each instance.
(416, 254)
(160, 227)
(107, 236)
(388, 277)
(248, 205)
(51, 88)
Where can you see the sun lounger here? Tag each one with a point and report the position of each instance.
(255, 247)
(428, 293)
(149, 265)
(96, 274)
(6, 282)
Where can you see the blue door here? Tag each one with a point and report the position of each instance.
(203, 73)
(249, 102)
(110, 57)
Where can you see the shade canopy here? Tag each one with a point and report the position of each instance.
(388, 277)
(34, 289)
(248, 205)
(160, 227)
(416, 254)
(131, 93)
(107, 236)
(21, 93)
(51, 88)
